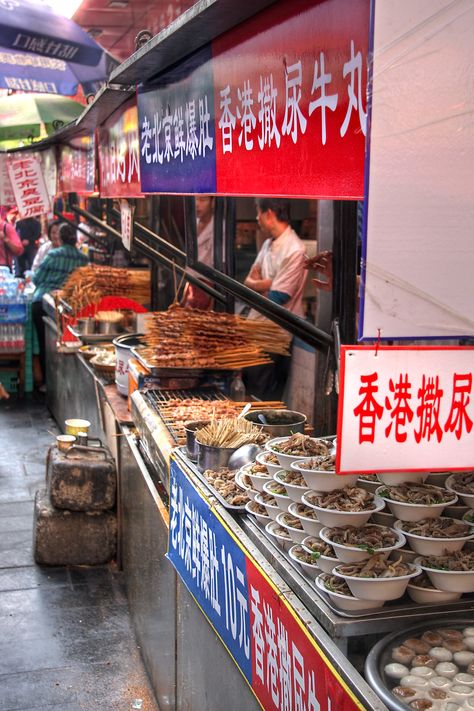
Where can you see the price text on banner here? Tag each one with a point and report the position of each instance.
(280, 661)
(405, 409)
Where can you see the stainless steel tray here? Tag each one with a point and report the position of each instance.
(397, 608)
(166, 372)
(181, 452)
(87, 338)
(380, 655)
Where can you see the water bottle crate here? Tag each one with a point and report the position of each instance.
(9, 381)
(13, 313)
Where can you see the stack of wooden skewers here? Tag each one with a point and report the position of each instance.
(189, 338)
(230, 433)
(87, 285)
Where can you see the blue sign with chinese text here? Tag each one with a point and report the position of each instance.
(176, 129)
(211, 565)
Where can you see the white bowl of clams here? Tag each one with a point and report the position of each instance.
(435, 536)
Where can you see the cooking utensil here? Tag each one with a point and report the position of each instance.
(278, 423)
(244, 411)
(243, 455)
(191, 444)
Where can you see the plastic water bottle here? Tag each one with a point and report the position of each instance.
(237, 388)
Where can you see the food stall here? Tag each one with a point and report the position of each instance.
(241, 565)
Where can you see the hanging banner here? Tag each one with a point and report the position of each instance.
(7, 196)
(419, 222)
(29, 188)
(119, 154)
(281, 661)
(77, 166)
(260, 113)
(47, 160)
(405, 409)
(126, 222)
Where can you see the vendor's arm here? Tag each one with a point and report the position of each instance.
(288, 280)
(255, 278)
(12, 239)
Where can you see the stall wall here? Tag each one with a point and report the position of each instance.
(419, 249)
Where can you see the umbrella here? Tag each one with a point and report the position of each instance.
(28, 115)
(42, 51)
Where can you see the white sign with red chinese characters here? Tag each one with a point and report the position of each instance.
(28, 186)
(126, 219)
(405, 408)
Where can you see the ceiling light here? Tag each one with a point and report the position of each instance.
(119, 4)
(94, 32)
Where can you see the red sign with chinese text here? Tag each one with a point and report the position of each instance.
(119, 154)
(77, 166)
(288, 670)
(404, 408)
(290, 101)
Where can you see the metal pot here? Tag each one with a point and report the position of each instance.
(123, 353)
(213, 457)
(278, 423)
(85, 326)
(110, 327)
(191, 444)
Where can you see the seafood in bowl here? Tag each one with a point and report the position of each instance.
(412, 502)
(340, 594)
(435, 536)
(321, 552)
(421, 590)
(319, 473)
(293, 525)
(462, 484)
(349, 506)
(352, 544)
(453, 572)
(377, 578)
(297, 446)
(293, 482)
(308, 517)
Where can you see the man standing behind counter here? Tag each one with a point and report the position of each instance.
(277, 273)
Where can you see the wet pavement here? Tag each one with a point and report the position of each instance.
(66, 640)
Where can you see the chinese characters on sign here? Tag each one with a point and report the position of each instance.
(126, 222)
(261, 113)
(290, 88)
(77, 166)
(406, 408)
(28, 185)
(176, 123)
(119, 154)
(280, 661)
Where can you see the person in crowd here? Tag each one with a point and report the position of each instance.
(29, 230)
(50, 242)
(51, 275)
(279, 274)
(193, 296)
(10, 244)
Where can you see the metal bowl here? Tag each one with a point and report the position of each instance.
(278, 423)
(191, 445)
(380, 655)
(213, 457)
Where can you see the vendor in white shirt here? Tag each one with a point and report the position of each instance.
(278, 271)
(279, 274)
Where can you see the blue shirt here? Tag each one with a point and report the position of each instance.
(55, 269)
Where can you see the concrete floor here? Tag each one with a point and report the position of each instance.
(66, 640)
